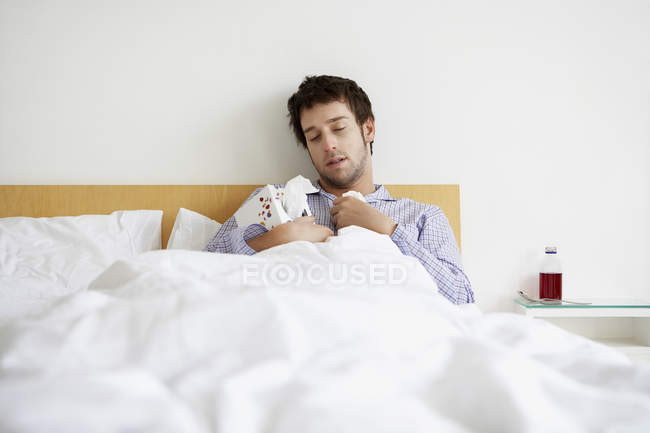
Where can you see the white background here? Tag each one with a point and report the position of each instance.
(539, 110)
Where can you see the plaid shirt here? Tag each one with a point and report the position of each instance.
(422, 232)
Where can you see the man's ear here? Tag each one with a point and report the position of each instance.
(369, 130)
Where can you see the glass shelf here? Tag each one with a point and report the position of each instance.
(595, 303)
(634, 312)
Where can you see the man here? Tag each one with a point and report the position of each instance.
(332, 118)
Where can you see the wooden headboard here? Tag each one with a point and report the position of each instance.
(218, 202)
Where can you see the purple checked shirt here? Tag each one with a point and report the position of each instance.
(422, 232)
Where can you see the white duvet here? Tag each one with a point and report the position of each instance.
(181, 341)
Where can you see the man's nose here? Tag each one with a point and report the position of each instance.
(329, 142)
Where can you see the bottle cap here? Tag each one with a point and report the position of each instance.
(551, 250)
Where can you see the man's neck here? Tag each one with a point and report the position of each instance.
(365, 187)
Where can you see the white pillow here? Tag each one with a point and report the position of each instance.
(192, 231)
(44, 258)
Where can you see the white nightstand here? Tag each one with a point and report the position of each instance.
(622, 323)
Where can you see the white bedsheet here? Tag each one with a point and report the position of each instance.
(175, 341)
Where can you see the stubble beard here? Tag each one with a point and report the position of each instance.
(354, 176)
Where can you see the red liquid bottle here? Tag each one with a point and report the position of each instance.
(550, 278)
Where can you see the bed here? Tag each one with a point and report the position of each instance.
(345, 335)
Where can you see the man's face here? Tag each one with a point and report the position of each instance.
(338, 147)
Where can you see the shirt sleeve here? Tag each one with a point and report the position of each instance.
(432, 242)
(231, 239)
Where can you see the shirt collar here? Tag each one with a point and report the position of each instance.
(380, 193)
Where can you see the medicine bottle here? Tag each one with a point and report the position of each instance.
(550, 276)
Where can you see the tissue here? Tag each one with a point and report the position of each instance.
(273, 206)
(295, 196)
(355, 194)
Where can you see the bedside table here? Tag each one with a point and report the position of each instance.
(621, 323)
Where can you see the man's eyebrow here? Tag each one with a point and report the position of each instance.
(333, 119)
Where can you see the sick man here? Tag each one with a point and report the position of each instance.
(332, 118)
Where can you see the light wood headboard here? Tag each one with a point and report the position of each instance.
(218, 202)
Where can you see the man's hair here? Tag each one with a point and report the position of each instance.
(323, 89)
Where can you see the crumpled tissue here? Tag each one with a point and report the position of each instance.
(355, 194)
(295, 196)
(273, 206)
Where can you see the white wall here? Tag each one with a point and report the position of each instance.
(540, 111)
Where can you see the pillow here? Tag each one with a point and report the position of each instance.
(45, 258)
(192, 231)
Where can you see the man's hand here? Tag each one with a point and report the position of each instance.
(303, 229)
(300, 229)
(348, 211)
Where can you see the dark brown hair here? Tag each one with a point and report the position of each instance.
(322, 89)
